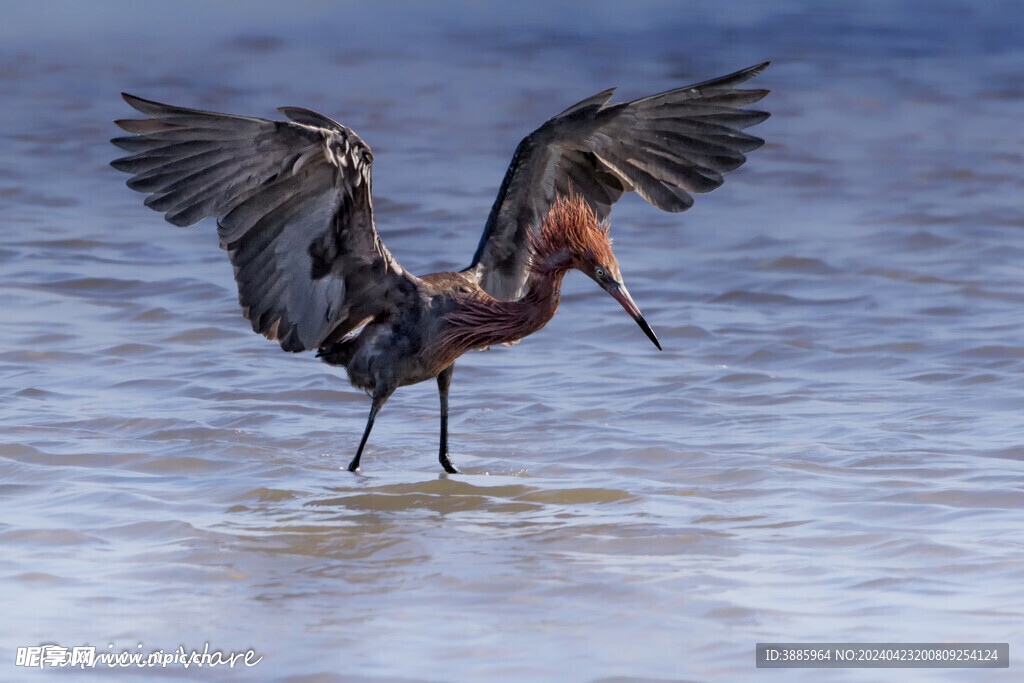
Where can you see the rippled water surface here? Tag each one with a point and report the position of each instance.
(830, 448)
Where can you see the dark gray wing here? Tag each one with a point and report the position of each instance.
(293, 208)
(664, 147)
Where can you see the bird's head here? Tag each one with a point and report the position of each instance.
(571, 237)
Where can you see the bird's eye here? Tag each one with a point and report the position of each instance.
(599, 271)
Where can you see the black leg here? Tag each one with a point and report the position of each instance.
(444, 380)
(377, 403)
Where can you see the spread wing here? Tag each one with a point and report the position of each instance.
(293, 208)
(664, 147)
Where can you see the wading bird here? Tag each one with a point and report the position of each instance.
(294, 212)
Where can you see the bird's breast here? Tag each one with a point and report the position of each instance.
(396, 352)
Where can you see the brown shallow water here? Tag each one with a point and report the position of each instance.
(830, 448)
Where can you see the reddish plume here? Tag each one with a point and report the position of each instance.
(569, 229)
(570, 232)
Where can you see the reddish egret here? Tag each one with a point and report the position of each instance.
(294, 212)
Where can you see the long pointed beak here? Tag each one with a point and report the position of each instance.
(621, 294)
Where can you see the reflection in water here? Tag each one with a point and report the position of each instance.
(828, 448)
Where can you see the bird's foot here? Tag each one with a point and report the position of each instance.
(446, 463)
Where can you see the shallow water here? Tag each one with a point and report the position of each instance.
(830, 448)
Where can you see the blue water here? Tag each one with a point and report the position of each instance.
(830, 448)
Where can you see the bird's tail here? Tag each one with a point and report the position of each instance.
(337, 353)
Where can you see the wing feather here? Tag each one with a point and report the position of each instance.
(664, 147)
(293, 208)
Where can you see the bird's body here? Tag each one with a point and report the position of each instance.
(294, 209)
(452, 314)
